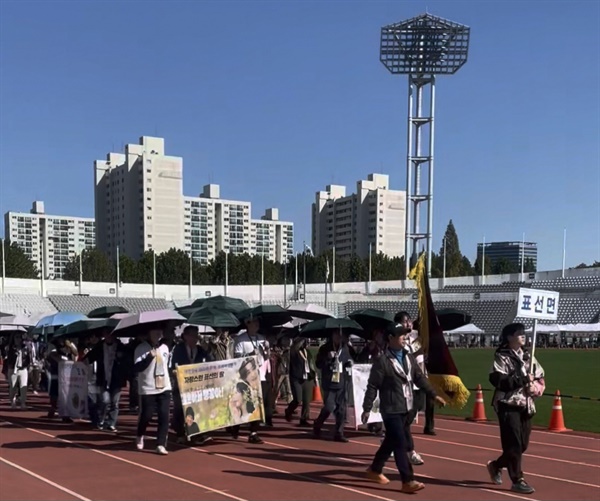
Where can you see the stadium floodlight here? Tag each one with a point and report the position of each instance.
(422, 47)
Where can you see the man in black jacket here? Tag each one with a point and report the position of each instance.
(112, 368)
(335, 363)
(392, 376)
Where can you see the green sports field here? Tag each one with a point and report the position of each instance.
(573, 372)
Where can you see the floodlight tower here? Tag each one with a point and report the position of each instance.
(422, 47)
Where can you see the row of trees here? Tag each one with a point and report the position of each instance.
(173, 267)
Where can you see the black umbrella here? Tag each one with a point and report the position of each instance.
(213, 317)
(106, 311)
(326, 326)
(231, 304)
(449, 319)
(371, 319)
(268, 314)
(84, 328)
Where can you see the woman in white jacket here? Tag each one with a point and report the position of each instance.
(154, 385)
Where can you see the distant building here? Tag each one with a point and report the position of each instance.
(513, 252)
(49, 241)
(373, 216)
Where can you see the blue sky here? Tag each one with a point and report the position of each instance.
(275, 100)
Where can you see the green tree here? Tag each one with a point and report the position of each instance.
(454, 258)
(128, 270)
(96, 265)
(595, 264)
(145, 267)
(466, 267)
(503, 266)
(477, 266)
(173, 267)
(16, 263)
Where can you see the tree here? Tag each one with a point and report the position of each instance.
(128, 270)
(173, 267)
(477, 266)
(503, 266)
(595, 264)
(96, 267)
(454, 258)
(529, 266)
(17, 264)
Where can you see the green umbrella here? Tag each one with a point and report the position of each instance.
(371, 319)
(326, 326)
(82, 328)
(106, 311)
(213, 317)
(268, 314)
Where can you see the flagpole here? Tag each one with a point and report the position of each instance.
(4, 267)
(226, 272)
(153, 273)
(262, 275)
(191, 276)
(326, 280)
(523, 259)
(369, 287)
(333, 274)
(80, 271)
(483, 261)
(564, 255)
(296, 277)
(304, 264)
(43, 270)
(118, 271)
(444, 272)
(285, 282)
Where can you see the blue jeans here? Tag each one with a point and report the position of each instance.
(394, 441)
(108, 407)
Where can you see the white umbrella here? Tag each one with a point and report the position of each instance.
(309, 311)
(22, 320)
(148, 317)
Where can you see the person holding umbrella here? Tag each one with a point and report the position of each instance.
(302, 377)
(154, 386)
(392, 377)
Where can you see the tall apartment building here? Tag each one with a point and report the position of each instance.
(49, 241)
(213, 225)
(514, 252)
(139, 200)
(373, 217)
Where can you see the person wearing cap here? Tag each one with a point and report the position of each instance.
(250, 343)
(392, 377)
(518, 379)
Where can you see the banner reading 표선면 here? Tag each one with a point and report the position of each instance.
(219, 394)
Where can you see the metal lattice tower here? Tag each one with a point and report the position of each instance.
(422, 47)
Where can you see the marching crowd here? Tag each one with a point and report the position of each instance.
(286, 371)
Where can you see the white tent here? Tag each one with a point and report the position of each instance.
(555, 328)
(466, 329)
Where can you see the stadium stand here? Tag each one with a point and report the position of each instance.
(25, 304)
(85, 304)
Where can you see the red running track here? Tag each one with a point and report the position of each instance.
(42, 459)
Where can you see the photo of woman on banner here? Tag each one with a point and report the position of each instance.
(241, 405)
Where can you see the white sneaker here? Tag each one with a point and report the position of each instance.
(415, 459)
(162, 450)
(139, 443)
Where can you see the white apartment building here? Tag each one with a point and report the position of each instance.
(49, 241)
(139, 200)
(213, 224)
(373, 217)
(272, 238)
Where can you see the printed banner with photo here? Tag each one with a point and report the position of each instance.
(360, 377)
(219, 394)
(73, 390)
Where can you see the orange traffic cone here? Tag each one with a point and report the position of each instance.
(557, 421)
(316, 396)
(479, 407)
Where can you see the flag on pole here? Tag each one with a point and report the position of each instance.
(441, 369)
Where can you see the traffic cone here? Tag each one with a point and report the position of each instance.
(479, 407)
(557, 421)
(316, 396)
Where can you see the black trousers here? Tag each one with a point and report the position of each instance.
(429, 413)
(394, 441)
(301, 393)
(334, 401)
(158, 403)
(134, 396)
(418, 404)
(515, 429)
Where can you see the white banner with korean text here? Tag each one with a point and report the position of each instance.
(538, 304)
(73, 390)
(360, 378)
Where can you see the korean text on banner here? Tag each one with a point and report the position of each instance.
(219, 394)
(73, 390)
(538, 304)
(360, 378)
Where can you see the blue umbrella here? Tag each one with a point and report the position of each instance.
(60, 318)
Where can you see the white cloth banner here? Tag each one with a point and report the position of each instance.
(360, 378)
(72, 390)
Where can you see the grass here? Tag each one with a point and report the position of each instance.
(573, 372)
